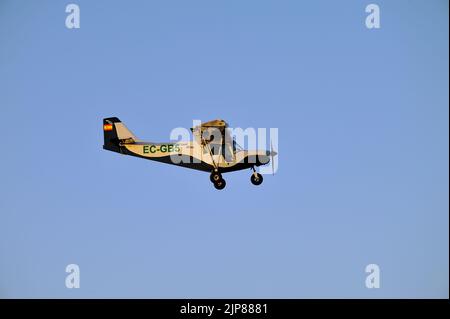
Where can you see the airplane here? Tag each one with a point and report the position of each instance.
(203, 153)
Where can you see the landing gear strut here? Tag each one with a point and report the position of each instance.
(256, 178)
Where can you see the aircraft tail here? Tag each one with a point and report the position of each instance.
(116, 133)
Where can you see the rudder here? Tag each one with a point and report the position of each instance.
(116, 133)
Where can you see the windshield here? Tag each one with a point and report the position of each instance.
(225, 148)
(236, 146)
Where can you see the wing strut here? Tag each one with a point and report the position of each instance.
(206, 145)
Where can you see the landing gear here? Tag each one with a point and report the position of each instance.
(220, 184)
(215, 176)
(256, 179)
(217, 180)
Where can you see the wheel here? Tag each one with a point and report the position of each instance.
(215, 176)
(256, 179)
(220, 184)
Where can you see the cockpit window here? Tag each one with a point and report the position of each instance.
(227, 150)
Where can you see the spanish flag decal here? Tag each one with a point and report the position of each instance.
(107, 127)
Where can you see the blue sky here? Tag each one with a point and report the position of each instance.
(363, 149)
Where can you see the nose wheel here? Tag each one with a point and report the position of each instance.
(256, 179)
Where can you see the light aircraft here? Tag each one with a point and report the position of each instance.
(209, 152)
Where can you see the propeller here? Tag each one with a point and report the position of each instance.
(272, 154)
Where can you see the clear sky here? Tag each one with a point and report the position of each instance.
(363, 121)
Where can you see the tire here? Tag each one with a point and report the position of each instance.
(214, 177)
(220, 184)
(256, 180)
